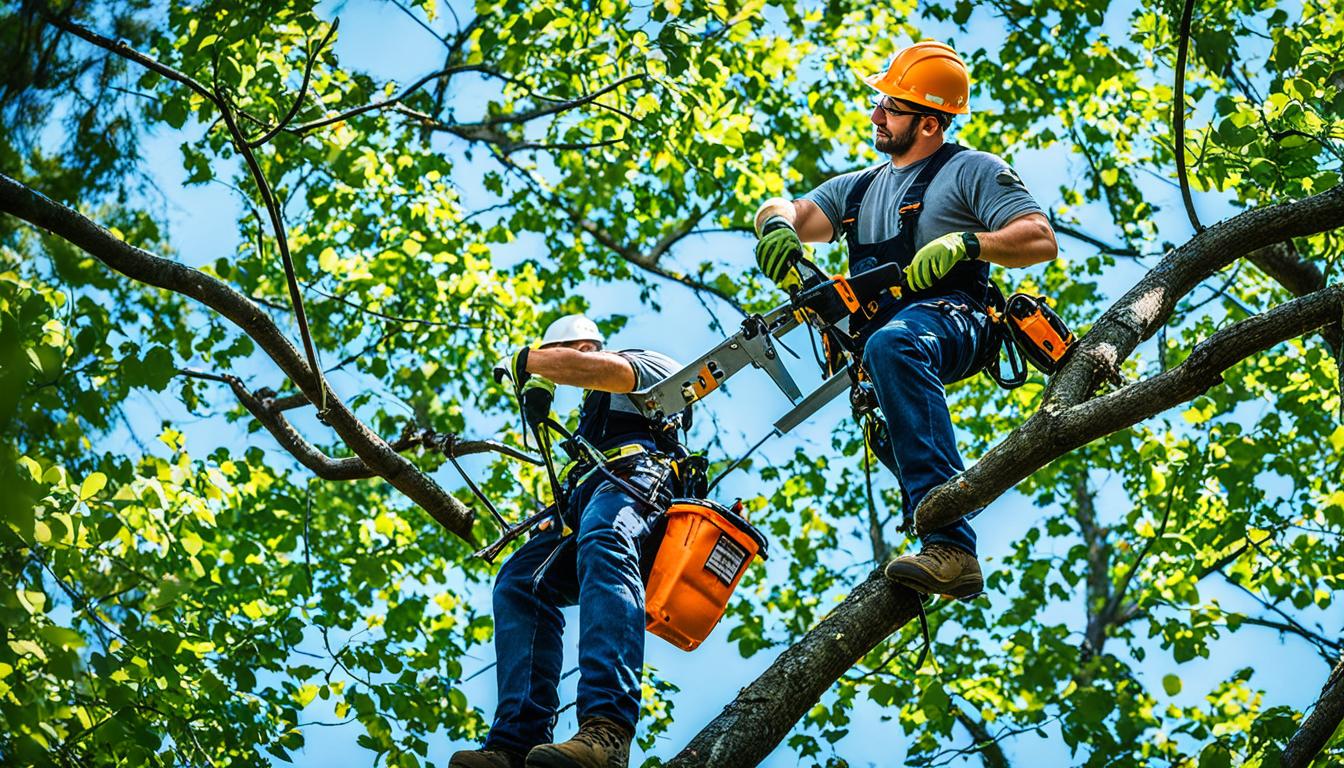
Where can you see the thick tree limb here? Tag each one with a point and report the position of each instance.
(1047, 435)
(764, 712)
(1319, 726)
(140, 265)
(1282, 262)
(1145, 308)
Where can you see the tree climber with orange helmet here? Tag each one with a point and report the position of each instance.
(593, 560)
(943, 213)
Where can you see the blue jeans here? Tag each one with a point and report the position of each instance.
(597, 568)
(926, 345)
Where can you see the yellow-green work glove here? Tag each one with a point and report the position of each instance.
(778, 249)
(938, 257)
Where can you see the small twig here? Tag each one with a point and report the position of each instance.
(385, 103)
(1179, 114)
(1101, 245)
(423, 24)
(312, 58)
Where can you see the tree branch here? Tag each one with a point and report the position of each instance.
(1147, 306)
(303, 89)
(513, 118)
(646, 261)
(765, 711)
(1283, 263)
(139, 265)
(125, 51)
(385, 103)
(983, 742)
(1049, 434)
(1318, 727)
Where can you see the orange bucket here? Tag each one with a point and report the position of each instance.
(702, 555)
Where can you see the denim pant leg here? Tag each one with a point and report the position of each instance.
(910, 359)
(528, 650)
(611, 607)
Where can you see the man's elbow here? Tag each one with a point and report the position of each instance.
(1047, 247)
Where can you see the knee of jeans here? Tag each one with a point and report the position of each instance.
(621, 536)
(897, 344)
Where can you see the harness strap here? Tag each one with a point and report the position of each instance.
(912, 202)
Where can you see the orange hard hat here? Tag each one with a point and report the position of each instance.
(928, 73)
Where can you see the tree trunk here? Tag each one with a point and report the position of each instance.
(763, 713)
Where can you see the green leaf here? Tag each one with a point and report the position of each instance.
(1215, 756)
(32, 601)
(1171, 684)
(92, 485)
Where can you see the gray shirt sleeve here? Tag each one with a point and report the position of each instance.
(830, 198)
(650, 367)
(992, 190)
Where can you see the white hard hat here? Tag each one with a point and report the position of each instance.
(572, 328)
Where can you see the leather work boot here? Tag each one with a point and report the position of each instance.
(600, 743)
(486, 758)
(939, 569)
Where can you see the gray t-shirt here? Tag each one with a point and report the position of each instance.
(974, 192)
(650, 368)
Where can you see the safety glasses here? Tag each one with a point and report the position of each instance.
(880, 102)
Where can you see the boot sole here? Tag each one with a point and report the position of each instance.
(961, 589)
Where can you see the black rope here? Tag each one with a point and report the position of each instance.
(452, 457)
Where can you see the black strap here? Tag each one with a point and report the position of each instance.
(849, 222)
(912, 202)
(1000, 344)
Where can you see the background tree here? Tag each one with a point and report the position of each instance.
(176, 608)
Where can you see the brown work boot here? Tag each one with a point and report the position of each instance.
(939, 569)
(486, 758)
(600, 743)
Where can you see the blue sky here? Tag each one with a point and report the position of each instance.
(379, 39)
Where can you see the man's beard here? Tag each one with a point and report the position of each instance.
(893, 144)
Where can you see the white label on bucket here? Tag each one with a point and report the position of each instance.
(726, 559)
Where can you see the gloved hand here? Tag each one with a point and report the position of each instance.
(512, 366)
(536, 398)
(938, 257)
(778, 249)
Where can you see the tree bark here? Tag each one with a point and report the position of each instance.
(756, 721)
(1320, 725)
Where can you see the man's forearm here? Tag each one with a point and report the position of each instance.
(1024, 241)
(603, 371)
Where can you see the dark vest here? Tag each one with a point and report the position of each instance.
(970, 278)
(606, 428)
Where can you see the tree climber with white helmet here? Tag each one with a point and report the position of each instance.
(592, 560)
